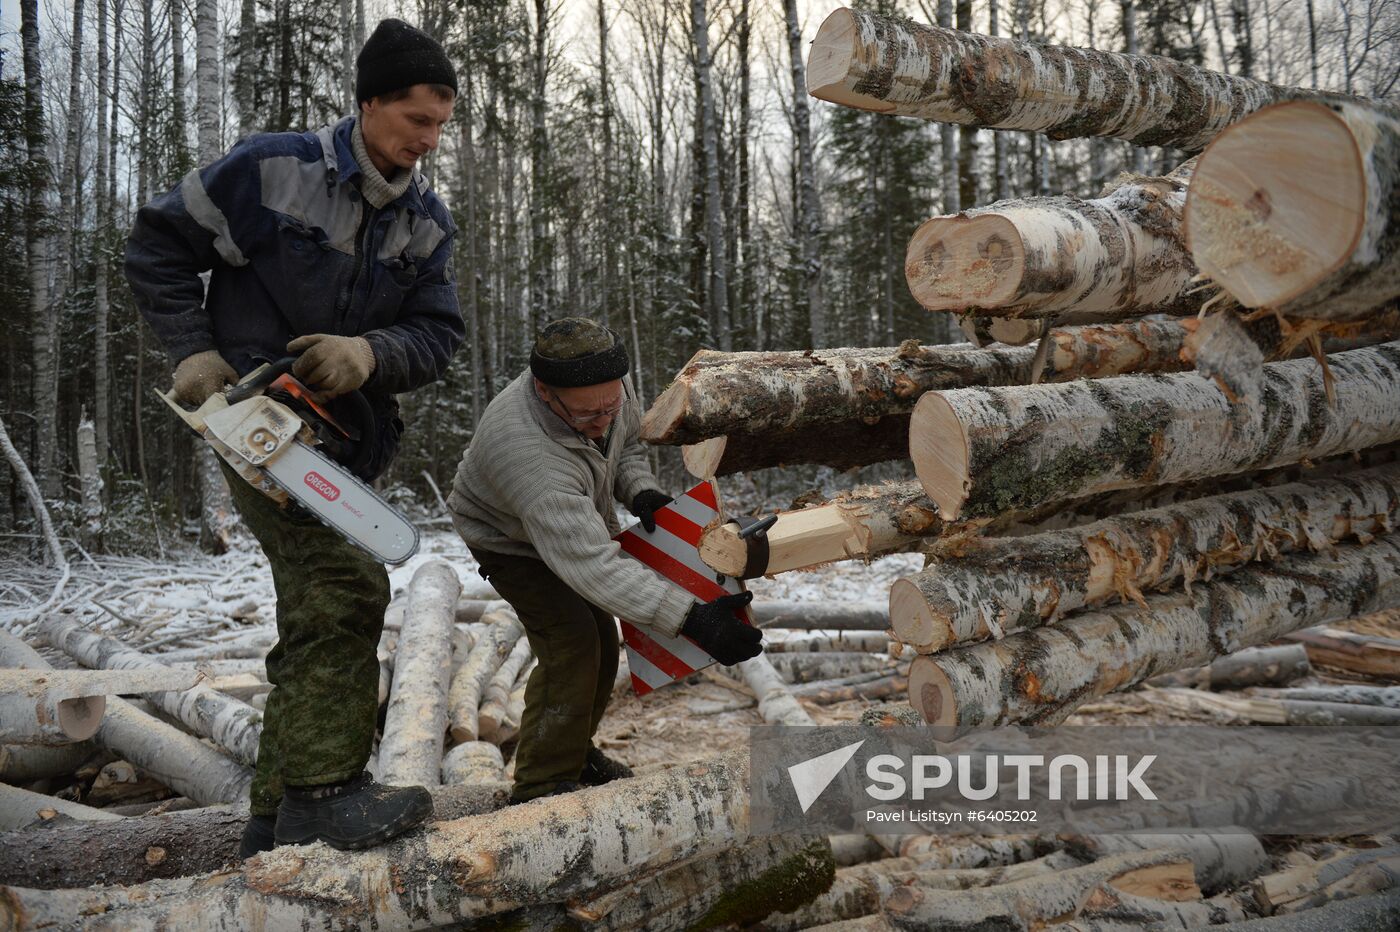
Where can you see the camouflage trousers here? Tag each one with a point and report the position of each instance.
(318, 726)
(576, 644)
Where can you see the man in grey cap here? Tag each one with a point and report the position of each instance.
(329, 246)
(534, 500)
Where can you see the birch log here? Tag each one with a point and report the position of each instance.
(849, 407)
(415, 723)
(21, 764)
(1344, 875)
(1095, 261)
(979, 452)
(896, 66)
(1295, 209)
(474, 762)
(984, 587)
(1219, 860)
(182, 762)
(449, 873)
(1254, 666)
(775, 703)
(1036, 901)
(496, 696)
(810, 667)
(1040, 676)
(49, 719)
(1355, 653)
(1358, 914)
(1258, 710)
(1384, 696)
(859, 891)
(823, 616)
(20, 807)
(230, 723)
(487, 654)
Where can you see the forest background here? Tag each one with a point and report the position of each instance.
(655, 164)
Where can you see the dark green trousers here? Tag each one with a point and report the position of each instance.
(575, 642)
(319, 723)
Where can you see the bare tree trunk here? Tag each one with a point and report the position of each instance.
(90, 479)
(1137, 159)
(948, 135)
(1136, 432)
(1041, 676)
(541, 250)
(246, 76)
(101, 376)
(348, 48)
(177, 86)
(65, 273)
(38, 251)
(717, 288)
(810, 223)
(969, 141)
(1001, 182)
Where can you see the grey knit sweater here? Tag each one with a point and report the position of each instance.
(531, 486)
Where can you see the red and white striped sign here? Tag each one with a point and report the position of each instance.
(673, 551)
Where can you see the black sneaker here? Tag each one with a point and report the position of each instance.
(560, 788)
(599, 768)
(257, 836)
(352, 815)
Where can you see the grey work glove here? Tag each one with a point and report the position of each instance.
(716, 627)
(332, 365)
(201, 375)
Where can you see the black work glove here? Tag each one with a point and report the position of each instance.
(645, 504)
(720, 633)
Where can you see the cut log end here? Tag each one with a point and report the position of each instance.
(830, 63)
(664, 414)
(702, 459)
(80, 718)
(931, 694)
(939, 447)
(958, 262)
(913, 620)
(1277, 204)
(723, 550)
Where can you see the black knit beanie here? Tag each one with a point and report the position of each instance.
(574, 351)
(398, 55)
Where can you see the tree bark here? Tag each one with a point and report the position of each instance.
(1041, 676)
(20, 807)
(1254, 666)
(471, 679)
(1255, 710)
(717, 292)
(899, 67)
(1366, 912)
(49, 719)
(860, 890)
(449, 873)
(410, 752)
(985, 587)
(775, 703)
(848, 616)
(1328, 248)
(1139, 432)
(808, 668)
(849, 408)
(230, 723)
(90, 478)
(1118, 255)
(101, 303)
(175, 844)
(1355, 653)
(1345, 875)
(27, 763)
(1386, 696)
(808, 642)
(496, 696)
(1220, 861)
(1161, 875)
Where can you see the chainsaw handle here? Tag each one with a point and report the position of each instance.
(269, 374)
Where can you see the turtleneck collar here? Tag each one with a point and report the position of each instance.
(378, 191)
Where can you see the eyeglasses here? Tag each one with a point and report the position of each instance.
(581, 420)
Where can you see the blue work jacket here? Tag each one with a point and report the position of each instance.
(293, 249)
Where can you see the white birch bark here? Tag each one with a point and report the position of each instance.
(1253, 666)
(775, 703)
(1093, 436)
(900, 67)
(809, 206)
(1115, 256)
(101, 303)
(496, 696)
(38, 254)
(90, 478)
(488, 653)
(36, 500)
(21, 764)
(811, 667)
(1034, 901)
(985, 587)
(230, 723)
(49, 719)
(410, 752)
(1386, 696)
(1344, 875)
(474, 762)
(1220, 861)
(1296, 209)
(446, 874)
(207, 61)
(717, 292)
(1043, 675)
(824, 616)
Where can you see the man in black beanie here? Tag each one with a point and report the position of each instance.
(328, 246)
(534, 500)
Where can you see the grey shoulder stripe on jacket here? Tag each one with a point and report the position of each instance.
(207, 215)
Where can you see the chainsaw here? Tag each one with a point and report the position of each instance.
(271, 429)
